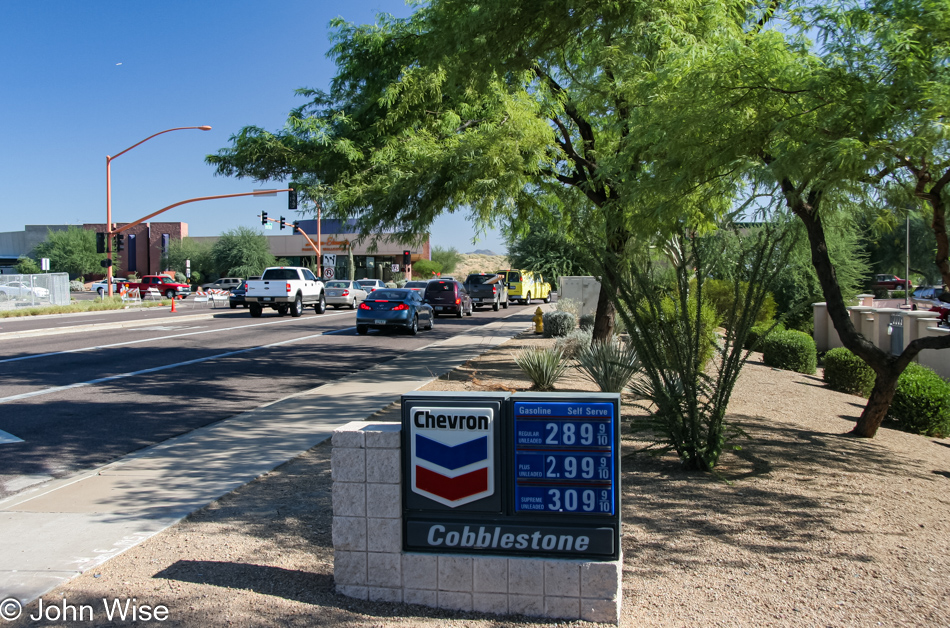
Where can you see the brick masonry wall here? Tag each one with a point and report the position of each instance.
(369, 563)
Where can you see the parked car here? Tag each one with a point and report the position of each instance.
(390, 308)
(18, 289)
(524, 286)
(929, 297)
(102, 286)
(448, 297)
(345, 293)
(891, 282)
(371, 284)
(418, 286)
(487, 290)
(225, 283)
(165, 285)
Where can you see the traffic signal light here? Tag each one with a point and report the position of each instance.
(100, 242)
(282, 223)
(406, 258)
(119, 242)
(292, 199)
(263, 218)
(296, 226)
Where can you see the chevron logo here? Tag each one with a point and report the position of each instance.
(452, 454)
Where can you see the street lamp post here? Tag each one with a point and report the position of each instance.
(109, 195)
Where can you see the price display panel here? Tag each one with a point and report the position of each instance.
(564, 457)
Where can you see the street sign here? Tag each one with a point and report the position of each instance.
(329, 259)
(328, 272)
(394, 268)
(44, 263)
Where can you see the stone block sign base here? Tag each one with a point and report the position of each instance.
(369, 563)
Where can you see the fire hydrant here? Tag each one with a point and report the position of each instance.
(538, 321)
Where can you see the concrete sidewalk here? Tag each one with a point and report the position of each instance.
(65, 527)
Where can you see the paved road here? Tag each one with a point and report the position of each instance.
(79, 400)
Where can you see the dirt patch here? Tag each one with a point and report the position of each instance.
(812, 528)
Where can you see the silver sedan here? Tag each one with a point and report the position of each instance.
(345, 293)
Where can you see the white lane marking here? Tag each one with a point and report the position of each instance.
(110, 378)
(140, 341)
(6, 438)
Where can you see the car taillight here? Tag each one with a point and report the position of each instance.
(457, 301)
(288, 287)
(346, 293)
(363, 306)
(494, 290)
(401, 306)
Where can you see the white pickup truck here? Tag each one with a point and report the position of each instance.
(285, 289)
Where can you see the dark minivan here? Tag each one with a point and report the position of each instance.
(447, 296)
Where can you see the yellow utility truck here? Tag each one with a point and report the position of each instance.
(524, 285)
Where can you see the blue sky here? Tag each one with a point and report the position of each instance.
(82, 80)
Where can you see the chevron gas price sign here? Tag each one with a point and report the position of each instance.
(524, 474)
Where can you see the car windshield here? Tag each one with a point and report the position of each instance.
(511, 275)
(477, 279)
(390, 295)
(338, 284)
(367, 282)
(279, 274)
(441, 286)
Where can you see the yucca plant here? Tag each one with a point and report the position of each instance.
(610, 365)
(542, 366)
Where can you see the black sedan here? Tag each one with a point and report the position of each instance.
(236, 297)
(387, 308)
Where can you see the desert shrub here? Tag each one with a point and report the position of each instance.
(722, 294)
(586, 321)
(610, 365)
(921, 402)
(426, 269)
(558, 323)
(401, 283)
(391, 284)
(880, 293)
(76, 286)
(669, 310)
(848, 373)
(759, 331)
(568, 305)
(574, 342)
(542, 366)
(790, 350)
(898, 294)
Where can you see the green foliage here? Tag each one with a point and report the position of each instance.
(27, 266)
(721, 294)
(886, 243)
(922, 402)
(687, 394)
(846, 372)
(574, 341)
(790, 350)
(609, 364)
(558, 324)
(426, 269)
(448, 258)
(547, 249)
(542, 366)
(199, 253)
(241, 252)
(71, 251)
(586, 321)
(759, 331)
(568, 305)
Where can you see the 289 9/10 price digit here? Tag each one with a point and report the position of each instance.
(567, 500)
(586, 434)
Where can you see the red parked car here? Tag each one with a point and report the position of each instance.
(891, 282)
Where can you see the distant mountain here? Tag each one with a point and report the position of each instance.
(482, 252)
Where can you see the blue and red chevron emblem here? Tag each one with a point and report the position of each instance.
(452, 454)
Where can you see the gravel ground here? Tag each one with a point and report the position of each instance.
(809, 528)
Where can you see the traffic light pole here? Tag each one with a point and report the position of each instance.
(315, 247)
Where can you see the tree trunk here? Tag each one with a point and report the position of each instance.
(885, 385)
(606, 313)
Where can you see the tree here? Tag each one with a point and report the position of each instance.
(547, 250)
(241, 252)
(448, 258)
(830, 126)
(71, 251)
(27, 266)
(198, 253)
(412, 127)
(887, 248)
(426, 269)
